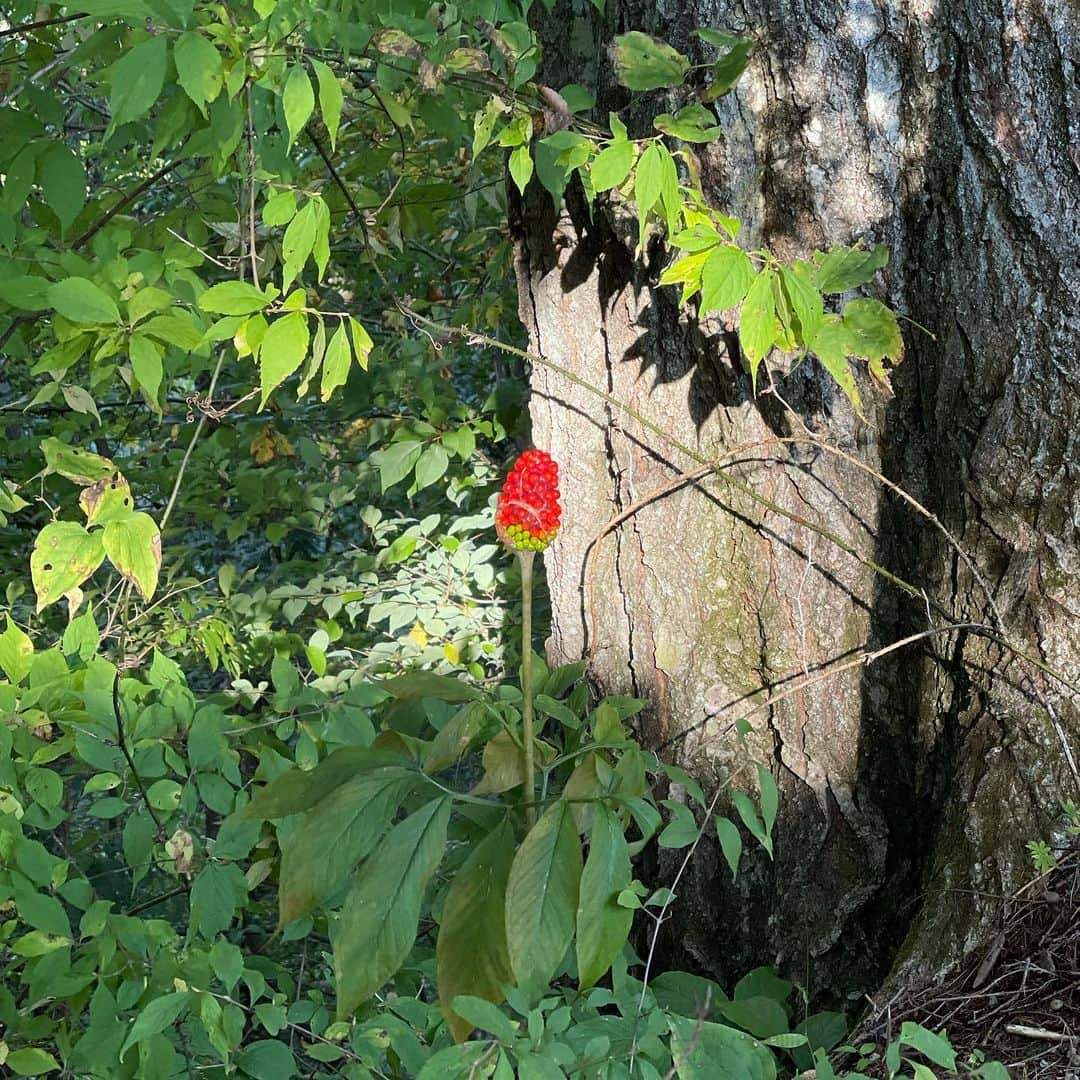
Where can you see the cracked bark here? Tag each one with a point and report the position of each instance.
(947, 129)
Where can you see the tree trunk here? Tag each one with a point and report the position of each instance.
(946, 129)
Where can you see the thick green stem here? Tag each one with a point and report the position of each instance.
(525, 560)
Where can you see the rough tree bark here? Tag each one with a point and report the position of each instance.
(948, 130)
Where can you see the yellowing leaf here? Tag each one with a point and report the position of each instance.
(418, 636)
(133, 544)
(106, 500)
(64, 556)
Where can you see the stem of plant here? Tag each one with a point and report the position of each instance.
(525, 561)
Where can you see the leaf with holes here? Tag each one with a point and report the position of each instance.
(64, 556)
(133, 544)
(106, 500)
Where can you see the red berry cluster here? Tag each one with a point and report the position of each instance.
(528, 513)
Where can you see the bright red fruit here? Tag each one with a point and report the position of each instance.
(527, 517)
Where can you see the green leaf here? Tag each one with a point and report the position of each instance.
(872, 331)
(431, 465)
(730, 844)
(216, 893)
(542, 897)
(521, 167)
(330, 99)
(147, 365)
(198, 68)
(846, 268)
(761, 1016)
(682, 830)
(646, 63)
(63, 183)
(159, 1014)
(748, 813)
(336, 362)
(30, 1061)
(16, 652)
(426, 684)
(137, 79)
(82, 301)
(729, 68)
(726, 277)
(233, 298)
(362, 343)
(282, 351)
(757, 321)
(297, 101)
(936, 1048)
(133, 544)
(28, 293)
(471, 952)
(685, 994)
(267, 1059)
(706, 1051)
(770, 798)
(602, 924)
(106, 500)
(319, 854)
(470, 723)
(647, 182)
(378, 922)
(694, 124)
(485, 1016)
(805, 301)
(396, 462)
(64, 556)
(612, 165)
(830, 346)
(299, 241)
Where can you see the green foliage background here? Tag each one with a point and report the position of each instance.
(257, 632)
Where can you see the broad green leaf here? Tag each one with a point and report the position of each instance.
(694, 123)
(846, 268)
(485, 1016)
(805, 301)
(180, 329)
(728, 69)
(703, 1050)
(28, 292)
(106, 500)
(298, 790)
(647, 182)
(431, 466)
(378, 922)
(757, 321)
(542, 897)
(81, 301)
(761, 1016)
(336, 362)
(685, 994)
(830, 346)
(146, 363)
(872, 331)
(936, 1048)
(233, 298)
(16, 652)
(730, 844)
(471, 952)
(218, 890)
(63, 183)
(198, 68)
(646, 63)
(521, 167)
(282, 351)
(133, 544)
(31, 1061)
(297, 101)
(321, 851)
(330, 99)
(602, 924)
(280, 207)
(74, 463)
(612, 165)
(299, 241)
(160, 1013)
(268, 1059)
(64, 556)
(726, 277)
(427, 684)
(682, 830)
(472, 722)
(137, 79)
(146, 301)
(396, 462)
